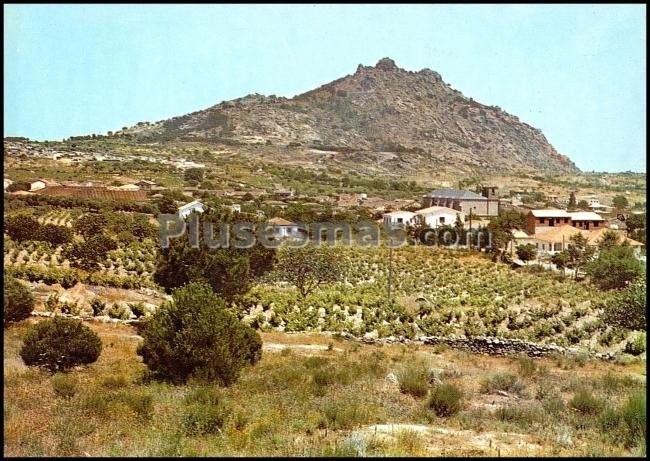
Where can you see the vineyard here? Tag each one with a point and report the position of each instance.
(94, 193)
(59, 217)
(126, 267)
(437, 292)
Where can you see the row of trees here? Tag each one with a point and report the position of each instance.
(22, 227)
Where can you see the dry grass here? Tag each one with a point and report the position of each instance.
(323, 404)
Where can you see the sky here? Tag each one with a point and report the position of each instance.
(578, 73)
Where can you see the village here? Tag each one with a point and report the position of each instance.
(548, 226)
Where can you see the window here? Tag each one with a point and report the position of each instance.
(400, 220)
(541, 220)
(566, 220)
(442, 219)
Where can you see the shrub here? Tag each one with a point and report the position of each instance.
(523, 416)
(18, 300)
(636, 345)
(64, 385)
(97, 306)
(527, 366)
(60, 343)
(138, 309)
(584, 402)
(615, 268)
(205, 411)
(633, 418)
(507, 382)
(445, 399)
(115, 382)
(414, 380)
(119, 311)
(196, 336)
(344, 415)
(140, 404)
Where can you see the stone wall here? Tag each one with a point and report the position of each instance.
(490, 345)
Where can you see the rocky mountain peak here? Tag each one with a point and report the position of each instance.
(386, 64)
(413, 118)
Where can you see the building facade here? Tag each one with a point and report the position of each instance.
(464, 201)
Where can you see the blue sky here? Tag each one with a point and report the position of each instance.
(578, 73)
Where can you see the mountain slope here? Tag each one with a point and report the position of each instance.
(377, 110)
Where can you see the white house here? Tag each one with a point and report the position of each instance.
(398, 217)
(184, 164)
(283, 228)
(435, 216)
(8, 182)
(235, 208)
(185, 210)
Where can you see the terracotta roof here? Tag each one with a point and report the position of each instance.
(596, 235)
(559, 233)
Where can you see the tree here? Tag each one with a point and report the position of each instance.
(18, 186)
(18, 300)
(526, 252)
(195, 336)
(309, 267)
(627, 308)
(579, 252)
(229, 271)
(620, 202)
(90, 224)
(572, 202)
(21, 227)
(56, 235)
(615, 267)
(609, 240)
(59, 344)
(561, 260)
(635, 224)
(583, 205)
(87, 255)
(194, 174)
(166, 204)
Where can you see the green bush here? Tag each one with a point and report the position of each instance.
(413, 380)
(140, 404)
(633, 418)
(18, 300)
(523, 416)
(445, 399)
(115, 382)
(507, 382)
(119, 311)
(138, 309)
(196, 336)
(64, 385)
(98, 306)
(527, 366)
(205, 411)
(584, 402)
(60, 343)
(345, 415)
(636, 345)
